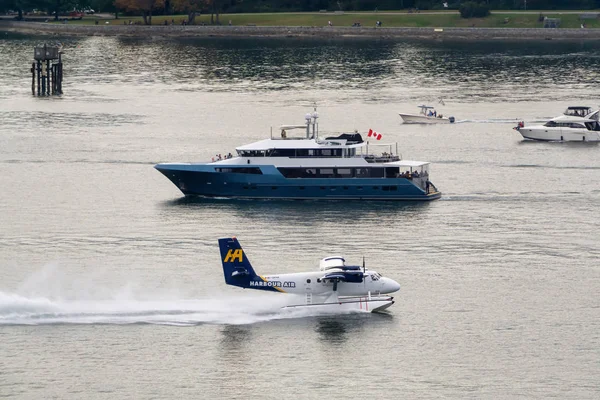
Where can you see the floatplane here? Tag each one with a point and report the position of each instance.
(335, 287)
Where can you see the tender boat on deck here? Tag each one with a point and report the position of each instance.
(427, 115)
(576, 124)
(307, 167)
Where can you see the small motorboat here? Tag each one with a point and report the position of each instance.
(427, 115)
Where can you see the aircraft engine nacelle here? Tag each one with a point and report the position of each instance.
(332, 262)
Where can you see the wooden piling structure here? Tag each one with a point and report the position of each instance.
(46, 71)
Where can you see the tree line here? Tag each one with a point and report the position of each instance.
(146, 8)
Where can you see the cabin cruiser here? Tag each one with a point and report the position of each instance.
(576, 124)
(307, 166)
(427, 115)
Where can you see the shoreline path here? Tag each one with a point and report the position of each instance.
(38, 28)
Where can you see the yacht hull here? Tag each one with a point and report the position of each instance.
(201, 180)
(550, 134)
(423, 119)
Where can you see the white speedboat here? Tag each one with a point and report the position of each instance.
(427, 115)
(576, 124)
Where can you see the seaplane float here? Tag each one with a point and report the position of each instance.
(335, 287)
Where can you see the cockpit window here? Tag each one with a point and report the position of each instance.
(375, 276)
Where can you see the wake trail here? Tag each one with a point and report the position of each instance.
(16, 309)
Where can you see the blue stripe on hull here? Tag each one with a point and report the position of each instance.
(271, 186)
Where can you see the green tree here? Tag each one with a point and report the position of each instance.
(143, 6)
(471, 9)
(190, 7)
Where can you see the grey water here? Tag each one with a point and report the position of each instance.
(111, 284)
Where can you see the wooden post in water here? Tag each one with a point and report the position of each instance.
(48, 77)
(44, 74)
(60, 73)
(39, 77)
(48, 71)
(33, 78)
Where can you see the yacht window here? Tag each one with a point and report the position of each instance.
(392, 172)
(291, 172)
(255, 170)
(344, 172)
(309, 173)
(287, 152)
(326, 173)
(376, 172)
(362, 173)
(550, 124)
(328, 152)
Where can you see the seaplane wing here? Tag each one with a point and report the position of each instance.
(343, 288)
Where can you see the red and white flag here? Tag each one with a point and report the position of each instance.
(374, 134)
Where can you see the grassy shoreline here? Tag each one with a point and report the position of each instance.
(395, 25)
(447, 19)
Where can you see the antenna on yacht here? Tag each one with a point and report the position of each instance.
(315, 115)
(307, 118)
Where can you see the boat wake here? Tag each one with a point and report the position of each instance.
(497, 121)
(21, 310)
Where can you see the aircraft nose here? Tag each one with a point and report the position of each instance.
(390, 285)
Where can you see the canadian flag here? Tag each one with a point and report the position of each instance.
(374, 134)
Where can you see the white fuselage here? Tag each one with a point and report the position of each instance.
(310, 282)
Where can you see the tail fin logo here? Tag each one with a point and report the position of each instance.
(233, 255)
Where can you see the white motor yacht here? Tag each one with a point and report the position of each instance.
(576, 124)
(427, 115)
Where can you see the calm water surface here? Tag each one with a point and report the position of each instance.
(111, 284)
